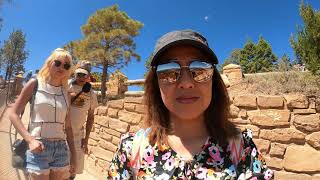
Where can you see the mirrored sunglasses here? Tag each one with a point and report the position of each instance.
(58, 63)
(171, 72)
(81, 75)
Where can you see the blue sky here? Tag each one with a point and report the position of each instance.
(49, 24)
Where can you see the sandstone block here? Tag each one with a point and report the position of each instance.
(115, 140)
(136, 100)
(118, 104)
(315, 177)
(314, 140)
(263, 145)
(113, 113)
(129, 117)
(92, 142)
(102, 110)
(304, 111)
(112, 132)
(302, 159)
(277, 149)
(307, 122)
(269, 118)
(249, 101)
(118, 125)
(239, 121)
(284, 135)
(94, 136)
(243, 113)
(140, 109)
(297, 101)
(267, 102)
(106, 136)
(102, 153)
(129, 107)
(107, 145)
(281, 175)
(234, 111)
(274, 163)
(101, 120)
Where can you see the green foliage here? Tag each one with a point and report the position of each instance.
(14, 54)
(306, 43)
(97, 76)
(232, 59)
(284, 63)
(253, 58)
(147, 64)
(108, 41)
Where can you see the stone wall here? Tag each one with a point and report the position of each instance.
(118, 117)
(285, 128)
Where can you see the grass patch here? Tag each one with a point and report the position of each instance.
(278, 83)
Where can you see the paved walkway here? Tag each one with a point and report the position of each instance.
(6, 138)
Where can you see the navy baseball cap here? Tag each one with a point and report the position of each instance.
(181, 37)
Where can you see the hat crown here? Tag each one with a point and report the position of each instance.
(187, 34)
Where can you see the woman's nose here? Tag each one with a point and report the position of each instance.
(185, 81)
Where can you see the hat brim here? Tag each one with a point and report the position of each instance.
(80, 70)
(194, 43)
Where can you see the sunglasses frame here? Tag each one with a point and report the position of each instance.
(187, 67)
(58, 63)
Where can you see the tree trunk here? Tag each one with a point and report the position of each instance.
(103, 84)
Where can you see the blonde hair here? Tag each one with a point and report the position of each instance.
(59, 53)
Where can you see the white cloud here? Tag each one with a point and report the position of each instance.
(206, 18)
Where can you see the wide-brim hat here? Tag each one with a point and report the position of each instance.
(182, 37)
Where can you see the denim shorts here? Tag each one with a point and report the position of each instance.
(56, 156)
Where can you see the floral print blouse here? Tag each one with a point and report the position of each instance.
(239, 160)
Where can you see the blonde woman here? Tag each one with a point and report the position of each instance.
(49, 135)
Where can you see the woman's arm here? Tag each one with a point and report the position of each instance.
(16, 110)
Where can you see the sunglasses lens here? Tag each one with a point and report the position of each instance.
(81, 75)
(201, 71)
(168, 73)
(57, 63)
(66, 66)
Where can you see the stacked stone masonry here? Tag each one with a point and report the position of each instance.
(286, 130)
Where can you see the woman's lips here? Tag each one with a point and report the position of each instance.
(187, 100)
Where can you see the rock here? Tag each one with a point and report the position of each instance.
(314, 140)
(307, 122)
(283, 135)
(302, 159)
(277, 149)
(269, 102)
(280, 175)
(297, 101)
(269, 118)
(249, 101)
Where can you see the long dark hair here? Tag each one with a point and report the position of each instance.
(216, 115)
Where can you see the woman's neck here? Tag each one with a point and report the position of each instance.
(54, 82)
(189, 128)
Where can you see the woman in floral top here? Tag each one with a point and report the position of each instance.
(188, 134)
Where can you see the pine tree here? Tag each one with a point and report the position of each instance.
(108, 41)
(306, 43)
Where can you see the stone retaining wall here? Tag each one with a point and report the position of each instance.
(286, 129)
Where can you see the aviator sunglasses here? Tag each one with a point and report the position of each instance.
(170, 73)
(58, 63)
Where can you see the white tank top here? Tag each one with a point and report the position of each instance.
(49, 112)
